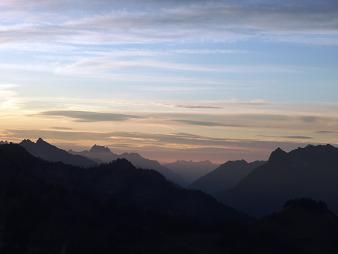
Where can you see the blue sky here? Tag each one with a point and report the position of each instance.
(237, 71)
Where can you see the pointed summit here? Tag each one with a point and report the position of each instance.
(48, 152)
(99, 149)
(278, 155)
(40, 141)
(26, 142)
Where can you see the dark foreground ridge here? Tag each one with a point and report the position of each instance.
(225, 177)
(305, 172)
(102, 154)
(48, 152)
(116, 208)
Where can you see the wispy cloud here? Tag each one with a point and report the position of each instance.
(297, 137)
(168, 146)
(108, 65)
(195, 106)
(208, 123)
(165, 20)
(8, 97)
(87, 116)
(327, 132)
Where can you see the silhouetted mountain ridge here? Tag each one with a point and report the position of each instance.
(100, 149)
(48, 152)
(302, 226)
(104, 154)
(225, 176)
(191, 170)
(145, 189)
(305, 172)
(51, 207)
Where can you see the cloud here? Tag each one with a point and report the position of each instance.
(87, 116)
(114, 22)
(62, 128)
(327, 132)
(198, 106)
(99, 65)
(169, 146)
(208, 124)
(288, 137)
(297, 137)
(258, 119)
(8, 97)
(57, 134)
(223, 105)
(178, 141)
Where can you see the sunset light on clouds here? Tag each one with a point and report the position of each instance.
(170, 79)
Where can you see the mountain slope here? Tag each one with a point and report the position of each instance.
(48, 152)
(191, 170)
(225, 176)
(116, 208)
(305, 172)
(302, 226)
(104, 154)
(100, 154)
(119, 180)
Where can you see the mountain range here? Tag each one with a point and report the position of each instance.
(225, 177)
(118, 180)
(52, 207)
(104, 154)
(305, 172)
(48, 152)
(191, 170)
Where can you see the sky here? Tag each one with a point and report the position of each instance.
(189, 79)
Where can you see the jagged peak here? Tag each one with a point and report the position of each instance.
(235, 163)
(278, 154)
(40, 141)
(99, 149)
(309, 149)
(318, 147)
(26, 141)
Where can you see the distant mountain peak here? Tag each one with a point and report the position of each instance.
(49, 152)
(40, 141)
(99, 149)
(236, 163)
(27, 141)
(278, 155)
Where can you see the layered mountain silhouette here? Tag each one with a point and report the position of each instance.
(225, 177)
(191, 170)
(52, 207)
(305, 172)
(49, 207)
(48, 152)
(120, 180)
(302, 226)
(104, 154)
